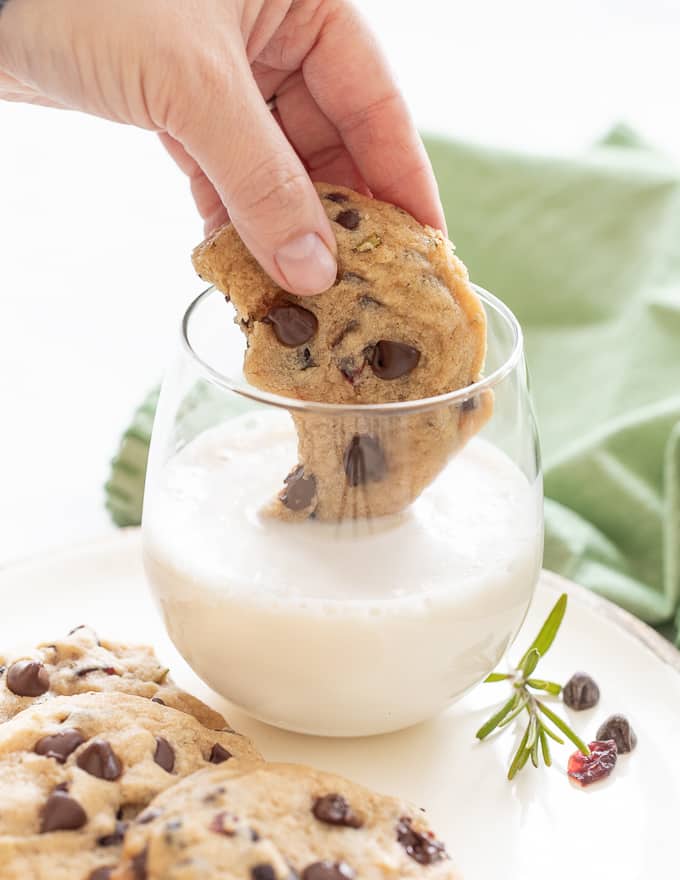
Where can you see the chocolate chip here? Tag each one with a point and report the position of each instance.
(349, 219)
(99, 760)
(103, 873)
(138, 865)
(306, 359)
(115, 837)
(148, 816)
(351, 277)
(158, 700)
(262, 872)
(469, 404)
(86, 670)
(334, 810)
(76, 628)
(369, 302)
(364, 460)
(422, 848)
(299, 490)
(2, 670)
(349, 369)
(164, 755)
(292, 324)
(617, 727)
(335, 197)
(391, 360)
(580, 692)
(328, 870)
(59, 745)
(28, 678)
(218, 754)
(61, 813)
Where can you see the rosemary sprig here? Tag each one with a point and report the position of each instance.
(534, 742)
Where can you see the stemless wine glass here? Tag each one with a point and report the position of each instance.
(361, 623)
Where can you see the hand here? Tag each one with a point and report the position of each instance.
(199, 74)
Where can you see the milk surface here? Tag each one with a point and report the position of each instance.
(338, 629)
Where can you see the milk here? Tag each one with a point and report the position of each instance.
(338, 629)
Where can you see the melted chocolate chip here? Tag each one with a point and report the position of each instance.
(224, 823)
(299, 490)
(115, 837)
(391, 360)
(335, 197)
(164, 755)
(292, 324)
(328, 870)
(422, 848)
(581, 692)
(371, 302)
(334, 810)
(99, 760)
(61, 813)
(306, 359)
(262, 872)
(158, 700)
(350, 328)
(103, 873)
(28, 678)
(59, 745)
(617, 727)
(148, 816)
(469, 404)
(86, 670)
(138, 865)
(348, 219)
(364, 460)
(218, 754)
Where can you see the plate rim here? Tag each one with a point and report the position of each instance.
(641, 631)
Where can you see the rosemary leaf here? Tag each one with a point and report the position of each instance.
(521, 756)
(564, 727)
(515, 712)
(534, 753)
(545, 747)
(533, 731)
(550, 687)
(497, 676)
(530, 662)
(553, 735)
(548, 631)
(495, 719)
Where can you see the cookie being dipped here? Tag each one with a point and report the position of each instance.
(401, 323)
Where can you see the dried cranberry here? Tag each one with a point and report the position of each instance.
(586, 769)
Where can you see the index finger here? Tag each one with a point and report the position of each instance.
(350, 80)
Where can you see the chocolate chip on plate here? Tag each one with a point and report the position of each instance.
(391, 360)
(164, 755)
(299, 490)
(292, 324)
(617, 727)
(218, 754)
(99, 760)
(335, 810)
(59, 745)
(364, 460)
(421, 848)
(61, 813)
(28, 678)
(327, 870)
(580, 692)
(349, 219)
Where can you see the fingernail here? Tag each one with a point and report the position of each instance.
(307, 264)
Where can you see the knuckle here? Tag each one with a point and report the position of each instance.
(273, 190)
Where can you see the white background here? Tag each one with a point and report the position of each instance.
(96, 224)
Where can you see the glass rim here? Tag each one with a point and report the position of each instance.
(460, 395)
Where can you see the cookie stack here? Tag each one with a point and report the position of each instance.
(108, 771)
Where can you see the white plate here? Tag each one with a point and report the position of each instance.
(540, 826)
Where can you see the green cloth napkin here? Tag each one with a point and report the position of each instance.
(586, 251)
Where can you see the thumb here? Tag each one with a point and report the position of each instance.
(263, 184)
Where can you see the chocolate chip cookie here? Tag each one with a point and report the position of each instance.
(74, 771)
(279, 822)
(81, 663)
(401, 323)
